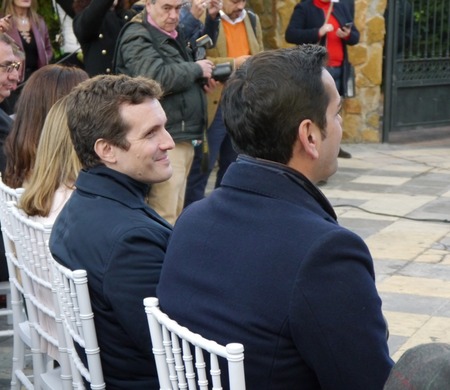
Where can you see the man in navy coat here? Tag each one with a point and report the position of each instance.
(262, 261)
(117, 126)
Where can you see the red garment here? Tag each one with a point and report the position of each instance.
(333, 44)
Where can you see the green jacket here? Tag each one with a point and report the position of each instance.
(143, 50)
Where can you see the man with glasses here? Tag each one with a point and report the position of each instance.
(10, 72)
(10, 56)
(153, 46)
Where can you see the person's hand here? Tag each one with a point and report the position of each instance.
(214, 7)
(343, 32)
(325, 29)
(207, 68)
(210, 85)
(238, 61)
(5, 23)
(198, 8)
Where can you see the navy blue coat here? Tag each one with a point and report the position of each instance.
(107, 228)
(263, 262)
(306, 21)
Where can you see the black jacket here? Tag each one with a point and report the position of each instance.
(97, 28)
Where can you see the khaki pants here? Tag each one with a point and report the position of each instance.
(167, 198)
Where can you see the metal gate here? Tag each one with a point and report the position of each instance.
(417, 66)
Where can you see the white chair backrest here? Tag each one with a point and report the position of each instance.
(9, 288)
(172, 349)
(7, 194)
(47, 332)
(21, 329)
(78, 320)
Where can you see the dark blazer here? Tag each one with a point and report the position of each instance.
(5, 126)
(107, 229)
(263, 262)
(306, 21)
(97, 28)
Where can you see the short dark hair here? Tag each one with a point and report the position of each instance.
(267, 98)
(93, 111)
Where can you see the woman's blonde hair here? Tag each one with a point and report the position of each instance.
(56, 163)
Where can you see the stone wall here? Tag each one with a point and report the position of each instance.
(361, 114)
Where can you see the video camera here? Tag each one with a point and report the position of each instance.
(221, 72)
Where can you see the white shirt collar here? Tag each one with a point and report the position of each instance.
(237, 20)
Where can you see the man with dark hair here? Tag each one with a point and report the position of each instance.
(118, 129)
(152, 45)
(262, 261)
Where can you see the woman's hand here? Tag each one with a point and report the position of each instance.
(325, 29)
(5, 23)
(343, 32)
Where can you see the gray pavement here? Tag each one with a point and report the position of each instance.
(397, 198)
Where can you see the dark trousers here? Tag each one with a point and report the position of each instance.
(337, 74)
(221, 148)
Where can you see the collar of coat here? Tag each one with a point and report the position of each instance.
(272, 188)
(108, 183)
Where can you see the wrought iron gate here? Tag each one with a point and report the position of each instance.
(417, 66)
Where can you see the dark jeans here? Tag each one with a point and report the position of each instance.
(337, 74)
(220, 147)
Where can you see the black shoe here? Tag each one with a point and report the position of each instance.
(344, 154)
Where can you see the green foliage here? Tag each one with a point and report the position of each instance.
(47, 11)
(431, 28)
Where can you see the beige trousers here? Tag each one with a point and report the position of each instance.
(167, 198)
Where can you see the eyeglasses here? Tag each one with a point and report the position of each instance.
(11, 66)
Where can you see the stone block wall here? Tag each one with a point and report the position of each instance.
(361, 114)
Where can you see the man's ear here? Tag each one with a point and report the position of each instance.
(309, 136)
(105, 151)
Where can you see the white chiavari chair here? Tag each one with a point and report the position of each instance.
(178, 367)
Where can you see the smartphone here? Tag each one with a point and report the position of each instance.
(348, 24)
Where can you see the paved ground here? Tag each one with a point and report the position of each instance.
(397, 197)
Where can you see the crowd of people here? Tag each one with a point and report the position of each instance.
(116, 150)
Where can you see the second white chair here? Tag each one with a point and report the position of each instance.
(173, 355)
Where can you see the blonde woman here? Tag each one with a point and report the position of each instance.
(56, 168)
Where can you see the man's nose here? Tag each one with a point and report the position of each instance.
(167, 142)
(173, 13)
(14, 75)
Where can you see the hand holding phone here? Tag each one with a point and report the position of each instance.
(348, 24)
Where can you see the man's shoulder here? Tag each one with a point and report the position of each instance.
(103, 217)
(253, 19)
